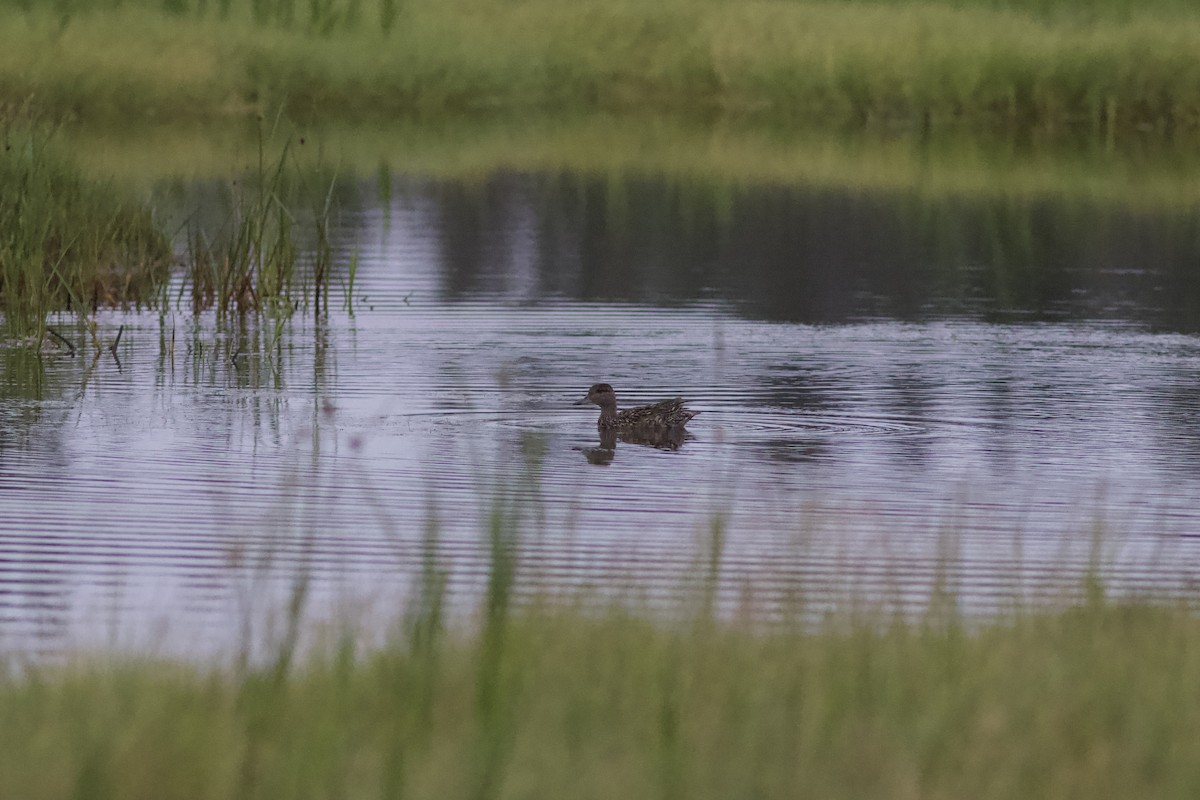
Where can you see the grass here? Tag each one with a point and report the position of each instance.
(72, 242)
(254, 261)
(1111, 66)
(1097, 701)
(67, 241)
(561, 695)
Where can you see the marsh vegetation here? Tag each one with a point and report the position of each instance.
(1110, 67)
(66, 241)
(271, 253)
(71, 242)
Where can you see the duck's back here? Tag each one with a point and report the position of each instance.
(667, 414)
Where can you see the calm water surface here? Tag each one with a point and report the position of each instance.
(895, 395)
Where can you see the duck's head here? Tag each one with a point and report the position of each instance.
(601, 394)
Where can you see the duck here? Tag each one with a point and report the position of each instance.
(668, 414)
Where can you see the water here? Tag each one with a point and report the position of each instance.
(895, 396)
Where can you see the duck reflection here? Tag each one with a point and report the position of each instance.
(658, 438)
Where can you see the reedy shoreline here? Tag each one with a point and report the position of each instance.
(1115, 68)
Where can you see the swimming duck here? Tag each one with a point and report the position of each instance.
(664, 415)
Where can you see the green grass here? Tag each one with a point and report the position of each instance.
(1069, 9)
(66, 241)
(563, 694)
(1096, 702)
(1113, 66)
(253, 261)
(73, 242)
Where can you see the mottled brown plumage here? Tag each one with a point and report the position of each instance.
(660, 416)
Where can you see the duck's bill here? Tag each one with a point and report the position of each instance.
(583, 401)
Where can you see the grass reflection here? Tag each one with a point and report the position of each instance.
(731, 153)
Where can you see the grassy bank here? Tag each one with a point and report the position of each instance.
(1112, 66)
(1094, 702)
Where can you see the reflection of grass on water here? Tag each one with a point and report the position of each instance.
(555, 698)
(1148, 174)
(1112, 65)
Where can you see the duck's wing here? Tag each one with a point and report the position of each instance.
(665, 414)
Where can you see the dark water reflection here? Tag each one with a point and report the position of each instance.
(819, 256)
(895, 394)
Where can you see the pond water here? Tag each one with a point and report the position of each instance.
(896, 395)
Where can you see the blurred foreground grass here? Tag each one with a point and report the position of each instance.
(1099, 701)
(1112, 65)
